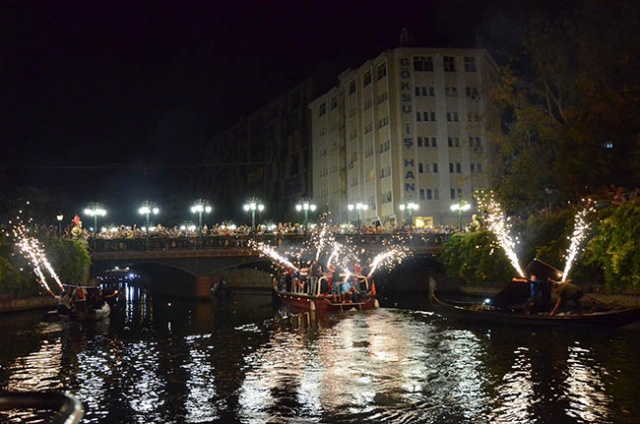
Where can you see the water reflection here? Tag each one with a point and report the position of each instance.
(584, 388)
(241, 361)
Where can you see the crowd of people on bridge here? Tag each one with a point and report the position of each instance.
(282, 229)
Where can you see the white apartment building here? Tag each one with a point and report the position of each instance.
(404, 127)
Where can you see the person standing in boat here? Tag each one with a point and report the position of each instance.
(79, 296)
(568, 294)
(534, 291)
(314, 275)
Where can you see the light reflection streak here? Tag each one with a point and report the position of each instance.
(144, 390)
(200, 385)
(38, 371)
(95, 370)
(516, 395)
(584, 388)
(358, 364)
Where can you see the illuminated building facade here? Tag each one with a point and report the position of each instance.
(407, 126)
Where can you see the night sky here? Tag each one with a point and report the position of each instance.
(113, 83)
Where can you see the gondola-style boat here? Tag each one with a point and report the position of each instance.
(506, 308)
(328, 302)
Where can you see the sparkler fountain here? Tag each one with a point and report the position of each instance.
(580, 230)
(32, 249)
(499, 225)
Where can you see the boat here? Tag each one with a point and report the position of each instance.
(97, 306)
(599, 316)
(507, 307)
(326, 302)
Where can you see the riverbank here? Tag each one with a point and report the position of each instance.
(27, 303)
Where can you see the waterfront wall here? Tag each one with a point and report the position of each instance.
(27, 303)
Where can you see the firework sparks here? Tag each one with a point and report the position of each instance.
(388, 258)
(580, 230)
(271, 253)
(339, 256)
(500, 227)
(34, 252)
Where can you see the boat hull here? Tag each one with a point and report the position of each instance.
(95, 314)
(469, 312)
(324, 303)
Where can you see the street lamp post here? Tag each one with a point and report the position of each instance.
(305, 207)
(95, 210)
(460, 207)
(358, 207)
(60, 217)
(200, 207)
(147, 209)
(410, 207)
(253, 206)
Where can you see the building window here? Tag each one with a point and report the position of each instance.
(352, 87)
(434, 142)
(452, 116)
(435, 167)
(473, 117)
(382, 97)
(458, 168)
(472, 93)
(382, 70)
(334, 103)
(449, 64)
(451, 91)
(367, 79)
(421, 168)
(425, 91)
(453, 194)
(429, 194)
(368, 103)
(453, 141)
(469, 64)
(425, 116)
(423, 64)
(421, 194)
(451, 167)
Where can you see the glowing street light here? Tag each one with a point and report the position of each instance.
(147, 209)
(358, 207)
(200, 207)
(409, 206)
(460, 207)
(305, 207)
(95, 210)
(253, 206)
(60, 217)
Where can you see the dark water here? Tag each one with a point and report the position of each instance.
(158, 360)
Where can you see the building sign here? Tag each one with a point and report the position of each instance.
(407, 116)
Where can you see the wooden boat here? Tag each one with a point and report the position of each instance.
(329, 302)
(597, 316)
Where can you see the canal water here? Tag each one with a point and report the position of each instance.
(242, 360)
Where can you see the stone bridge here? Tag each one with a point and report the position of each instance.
(209, 258)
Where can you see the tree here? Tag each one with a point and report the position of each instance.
(574, 126)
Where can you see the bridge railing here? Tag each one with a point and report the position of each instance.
(156, 243)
